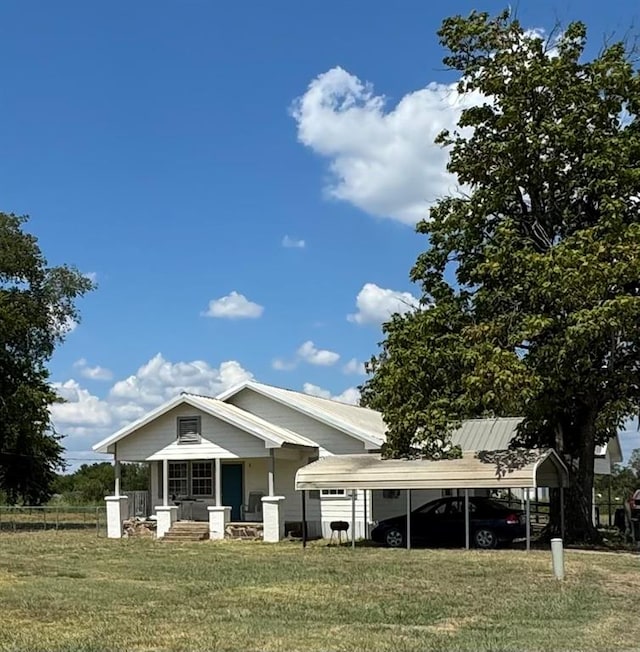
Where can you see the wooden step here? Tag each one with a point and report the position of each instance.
(182, 531)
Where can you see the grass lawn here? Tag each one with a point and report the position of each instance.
(74, 591)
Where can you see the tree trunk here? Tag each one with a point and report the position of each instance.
(578, 496)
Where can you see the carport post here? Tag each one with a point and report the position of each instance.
(304, 519)
(562, 512)
(528, 524)
(353, 517)
(466, 519)
(408, 519)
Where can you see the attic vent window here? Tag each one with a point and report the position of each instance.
(189, 430)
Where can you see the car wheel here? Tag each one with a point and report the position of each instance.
(485, 538)
(394, 538)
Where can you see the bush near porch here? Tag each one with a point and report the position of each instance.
(64, 591)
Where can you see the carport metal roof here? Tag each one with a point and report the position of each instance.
(518, 468)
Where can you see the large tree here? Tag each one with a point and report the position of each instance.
(531, 278)
(37, 308)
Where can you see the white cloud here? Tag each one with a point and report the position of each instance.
(382, 160)
(354, 367)
(233, 306)
(351, 395)
(284, 365)
(93, 373)
(292, 243)
(308, 352)
(376, 305)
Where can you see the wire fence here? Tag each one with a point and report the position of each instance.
(58, 517)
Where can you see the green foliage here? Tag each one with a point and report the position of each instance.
(531, 280)
(37, 303)
(92, 482)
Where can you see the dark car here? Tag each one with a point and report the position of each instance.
(441, 522)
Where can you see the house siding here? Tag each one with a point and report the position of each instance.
(158, 440)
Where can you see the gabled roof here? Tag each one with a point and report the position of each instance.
(273, 436)
(358, 422)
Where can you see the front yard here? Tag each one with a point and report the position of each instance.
(72, 591)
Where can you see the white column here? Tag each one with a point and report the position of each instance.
(117, 507)
(117, 474)
(272, 472)
(167, 515)
(273, 518)
(218, 482)
(219, 516)
(165, 483)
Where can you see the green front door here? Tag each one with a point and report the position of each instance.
(232, 489)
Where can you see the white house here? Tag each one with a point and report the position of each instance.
(233, 459)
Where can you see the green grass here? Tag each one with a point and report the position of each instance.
(72, 591)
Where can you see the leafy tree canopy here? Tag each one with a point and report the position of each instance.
(531, 279)
(37, 307)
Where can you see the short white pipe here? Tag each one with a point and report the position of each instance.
(557, 558)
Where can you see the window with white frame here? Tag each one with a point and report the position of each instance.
(178, 478)
(201, 479)
(189, 430)
(333, 493)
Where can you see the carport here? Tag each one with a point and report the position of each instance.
(496, 469)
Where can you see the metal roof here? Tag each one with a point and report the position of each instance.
(359, 422)
(518, 468)
(486, 434)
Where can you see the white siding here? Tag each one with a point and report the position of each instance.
(338, 508)
(158, 440)
(329, 439)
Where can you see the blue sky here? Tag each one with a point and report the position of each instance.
(241, 178)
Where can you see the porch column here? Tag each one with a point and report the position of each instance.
(273, 518)
(165, 483)
(219, 516)
(272, 471)
(167, 516)
(117, 475)
(218, 475)
(117, 511)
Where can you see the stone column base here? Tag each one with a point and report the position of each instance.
(117, 511)
(167, 516)
(273, 518)
(219, 516)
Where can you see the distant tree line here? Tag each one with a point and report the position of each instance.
(89, 484)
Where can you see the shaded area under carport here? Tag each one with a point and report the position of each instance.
(496, 469)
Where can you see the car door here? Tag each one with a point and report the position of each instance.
(452, 528)
(426, 522)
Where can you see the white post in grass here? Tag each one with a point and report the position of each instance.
(466, 520)
(557, 558)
